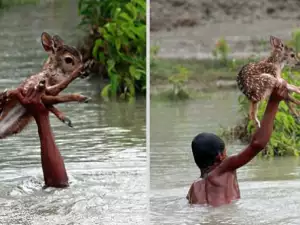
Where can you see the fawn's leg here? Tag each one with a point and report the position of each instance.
(291, 108)
(250, 111)
(293, 88)
(55, 89)
(51, 100)
(60, 115)
(253, 113)
(292, 99)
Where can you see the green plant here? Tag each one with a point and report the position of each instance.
(295, 41)
(221, 51)
(178, 82)
(153, 57)
(121, 46)
(285, 139)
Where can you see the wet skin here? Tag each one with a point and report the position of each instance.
(219, 185)
(54, 171)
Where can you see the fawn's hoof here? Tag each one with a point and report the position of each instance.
(297, 119)
(87, 100)
(84, 99)
(67, 121)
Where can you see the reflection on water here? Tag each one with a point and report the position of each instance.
(270, 191)
(104, 154)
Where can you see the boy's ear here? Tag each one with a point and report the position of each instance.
(222, 155)
(46, 40)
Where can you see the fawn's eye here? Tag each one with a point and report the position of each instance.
(293, 55)
(68, 60)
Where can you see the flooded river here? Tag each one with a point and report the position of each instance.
(104, 153)
(270, 192)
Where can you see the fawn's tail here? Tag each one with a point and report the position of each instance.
(14, 119)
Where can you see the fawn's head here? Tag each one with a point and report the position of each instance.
(282, 54)
(61, 56)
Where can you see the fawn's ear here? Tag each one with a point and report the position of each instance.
(46, 41)
(276, 43)
(57, 42)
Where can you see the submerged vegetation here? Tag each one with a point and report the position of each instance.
(117, 41)
(178, 82)
(221, 51)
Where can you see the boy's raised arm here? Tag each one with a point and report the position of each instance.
(260, 138)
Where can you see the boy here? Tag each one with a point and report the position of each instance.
(53, 166)
(218, 181)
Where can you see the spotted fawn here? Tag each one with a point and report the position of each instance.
(256, 80)
(64, 64)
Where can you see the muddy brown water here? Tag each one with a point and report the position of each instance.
(270, 191)
(104, 154)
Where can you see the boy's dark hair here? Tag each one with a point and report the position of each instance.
(206, 147)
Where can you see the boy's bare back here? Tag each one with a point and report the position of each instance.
(215, 191)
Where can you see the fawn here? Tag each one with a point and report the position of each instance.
(257, 80)
(64, 64)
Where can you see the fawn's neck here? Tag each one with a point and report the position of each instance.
(277, 59)
(52, 72)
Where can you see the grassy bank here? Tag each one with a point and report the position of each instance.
(195, 77)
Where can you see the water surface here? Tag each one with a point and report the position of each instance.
(104, 154)
(270, 191)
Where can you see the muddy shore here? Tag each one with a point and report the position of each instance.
(190, 28)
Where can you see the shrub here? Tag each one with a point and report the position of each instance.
(221, 51)
(121, 46)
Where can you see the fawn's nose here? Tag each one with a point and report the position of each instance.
(42, 84)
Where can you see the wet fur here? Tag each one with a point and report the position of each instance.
(51, 72)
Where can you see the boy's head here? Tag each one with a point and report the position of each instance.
(208, 149)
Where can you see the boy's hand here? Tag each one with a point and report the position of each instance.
(280, 93)
(31, 100)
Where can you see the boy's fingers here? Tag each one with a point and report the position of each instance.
(32, 95)
(21, 97)
(30, 92)
(284, 91)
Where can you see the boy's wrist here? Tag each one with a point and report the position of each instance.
(275, 99)
(41, 116)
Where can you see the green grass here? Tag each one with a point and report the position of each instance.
(191, 77)
(201, 71)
